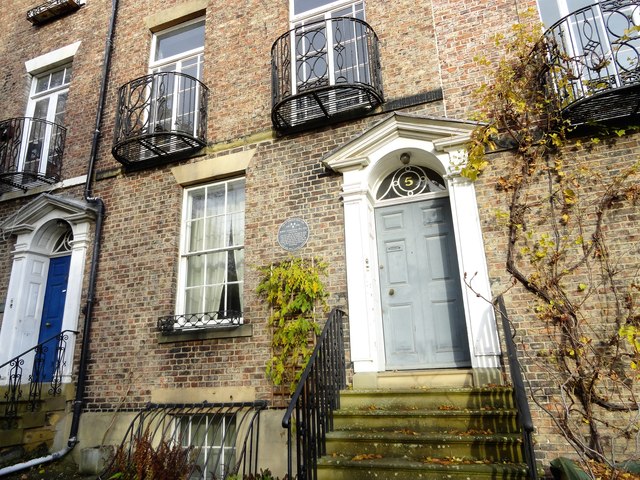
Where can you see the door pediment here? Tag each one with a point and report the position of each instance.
(35, 213)
(435, 134)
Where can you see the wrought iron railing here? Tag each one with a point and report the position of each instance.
(522, 404)
(594, 57)
(160, 117)
(52, 9)
(46, 363)
(31, 152)
(324, 70)
(310, 413)
(177, 323)
(215, 440)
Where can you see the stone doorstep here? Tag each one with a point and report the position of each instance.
(415, 379)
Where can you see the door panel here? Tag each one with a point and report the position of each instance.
(53, 310)
(422, 310)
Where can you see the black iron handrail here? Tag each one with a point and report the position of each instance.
(310, 411)
(522, 404)
(31, 152)
(234, 428)
(51, 351)
(324, 70)
(160, 116)
(593, 54)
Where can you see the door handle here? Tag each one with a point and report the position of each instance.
(391, 291)
(48, 324)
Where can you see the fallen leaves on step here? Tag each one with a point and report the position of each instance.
(452, 461)
(366, 456)
(406, 431)
(446, 407)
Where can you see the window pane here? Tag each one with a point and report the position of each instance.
(193, 300)
(42, 84)
(195, 269)
(300, 6)
(57, 79)
(195, 235)
(196, 203)
(180, 40)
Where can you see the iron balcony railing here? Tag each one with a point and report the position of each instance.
(522, 404)
(206, 441)
(31, 152)
(310, 413)
(51, 10)
(594, 61)
(176, 323)
(325, 70)
(160, 117)
(46, 363)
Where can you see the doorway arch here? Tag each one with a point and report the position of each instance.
(437, 145)
(47, 228)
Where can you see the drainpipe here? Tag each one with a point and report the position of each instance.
(93, 273)
(88, 195)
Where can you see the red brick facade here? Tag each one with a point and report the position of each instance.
(424, 46)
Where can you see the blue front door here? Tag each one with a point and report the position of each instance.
(52, 313)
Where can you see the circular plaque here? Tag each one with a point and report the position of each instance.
(293, 234)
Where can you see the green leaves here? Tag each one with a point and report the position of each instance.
(294, 290)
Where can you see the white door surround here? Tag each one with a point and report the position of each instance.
(37, 226)
(434, 143)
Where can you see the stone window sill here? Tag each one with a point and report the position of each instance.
(245, 330)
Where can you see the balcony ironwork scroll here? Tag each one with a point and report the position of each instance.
(325, 70)
(218, 440)
(310, 413)
(189, 321)
(31, 153)
(46, 363)
(594, 61)
(160, 117)
(52, 9)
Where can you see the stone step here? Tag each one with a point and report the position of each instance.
(494, 398)
(341, 468)
(446, 421)
(443, 378)
(420, 446)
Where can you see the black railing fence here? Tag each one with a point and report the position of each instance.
(45, 362)
(310, 413)
(323, 70)
(594, 57)
(215, 440)
(522, 404)
(160, 116)
(31, 152)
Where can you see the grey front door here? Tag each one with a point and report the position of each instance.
(422, 309)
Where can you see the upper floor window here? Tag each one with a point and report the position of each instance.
(305, 11)
(212, 266)
(45, 113)
(181, 50)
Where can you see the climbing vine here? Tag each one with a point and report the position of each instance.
(572, 244)
(296, 294)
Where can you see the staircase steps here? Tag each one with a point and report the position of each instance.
(424, 432)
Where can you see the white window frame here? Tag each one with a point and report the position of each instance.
(181, 303)
(53, 95)
(177, 62)
(206, 424)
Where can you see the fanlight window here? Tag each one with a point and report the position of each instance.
(63, 243)
(410, 181)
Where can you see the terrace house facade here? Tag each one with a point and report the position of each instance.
(154, 155)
